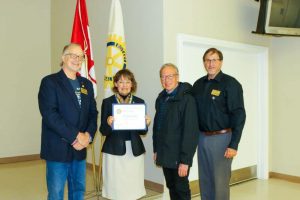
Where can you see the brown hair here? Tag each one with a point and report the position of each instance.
(126, 73)
(213, 51)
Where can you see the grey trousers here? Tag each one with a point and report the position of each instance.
(214, 168)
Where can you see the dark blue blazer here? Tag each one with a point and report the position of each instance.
(62, 117)
(114, 144)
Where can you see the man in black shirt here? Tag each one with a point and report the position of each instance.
(221, 118)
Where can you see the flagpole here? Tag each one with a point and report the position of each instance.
(100, 162)
(96, 182)
(92, 145)
(95, 179)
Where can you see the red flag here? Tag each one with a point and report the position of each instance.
(81, 35)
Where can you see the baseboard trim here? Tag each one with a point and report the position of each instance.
(293, 179)
(243, 174)
(24, 158)
(154, 186)
(148, 184)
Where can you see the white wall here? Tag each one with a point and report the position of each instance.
(285, 109)
(25, 58)
(226, 20)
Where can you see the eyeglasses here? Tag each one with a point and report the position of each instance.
(124, 82)
(168, 77)
(76, 57)
(211, 60)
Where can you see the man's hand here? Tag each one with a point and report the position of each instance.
(83, 139)
(77, 146)
(230, 153)
(154, 157)
(183, 170)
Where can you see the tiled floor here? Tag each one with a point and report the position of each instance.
(272, 189)
(26, 181)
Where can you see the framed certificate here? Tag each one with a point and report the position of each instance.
(129, 116)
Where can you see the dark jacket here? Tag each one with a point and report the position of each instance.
(114, 144)
(62, 117)
(177, 139)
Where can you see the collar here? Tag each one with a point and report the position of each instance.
(127, 100)
(173, 92)
(218, 78)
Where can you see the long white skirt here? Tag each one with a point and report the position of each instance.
(123, 176)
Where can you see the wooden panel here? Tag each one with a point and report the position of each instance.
(243, 174)
(154, 186)
(19, 158)
(294, 179)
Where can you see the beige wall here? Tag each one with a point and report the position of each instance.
(62, 15)
(285, 109)
(25, 58)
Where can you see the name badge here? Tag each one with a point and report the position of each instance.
(83, 91)
(215, 92)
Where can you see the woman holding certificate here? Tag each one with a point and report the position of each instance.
(123, 149)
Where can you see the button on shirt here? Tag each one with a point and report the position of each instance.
(220, 105)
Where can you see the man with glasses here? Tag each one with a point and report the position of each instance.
(175, 132)
(69, 122)
(222, 116)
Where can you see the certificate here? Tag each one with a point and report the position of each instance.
(129, 116)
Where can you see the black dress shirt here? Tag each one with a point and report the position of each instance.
(220, 105)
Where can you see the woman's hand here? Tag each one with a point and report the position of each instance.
(110, 120)
(148, 120)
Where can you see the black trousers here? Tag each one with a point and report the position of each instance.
(179, 188)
